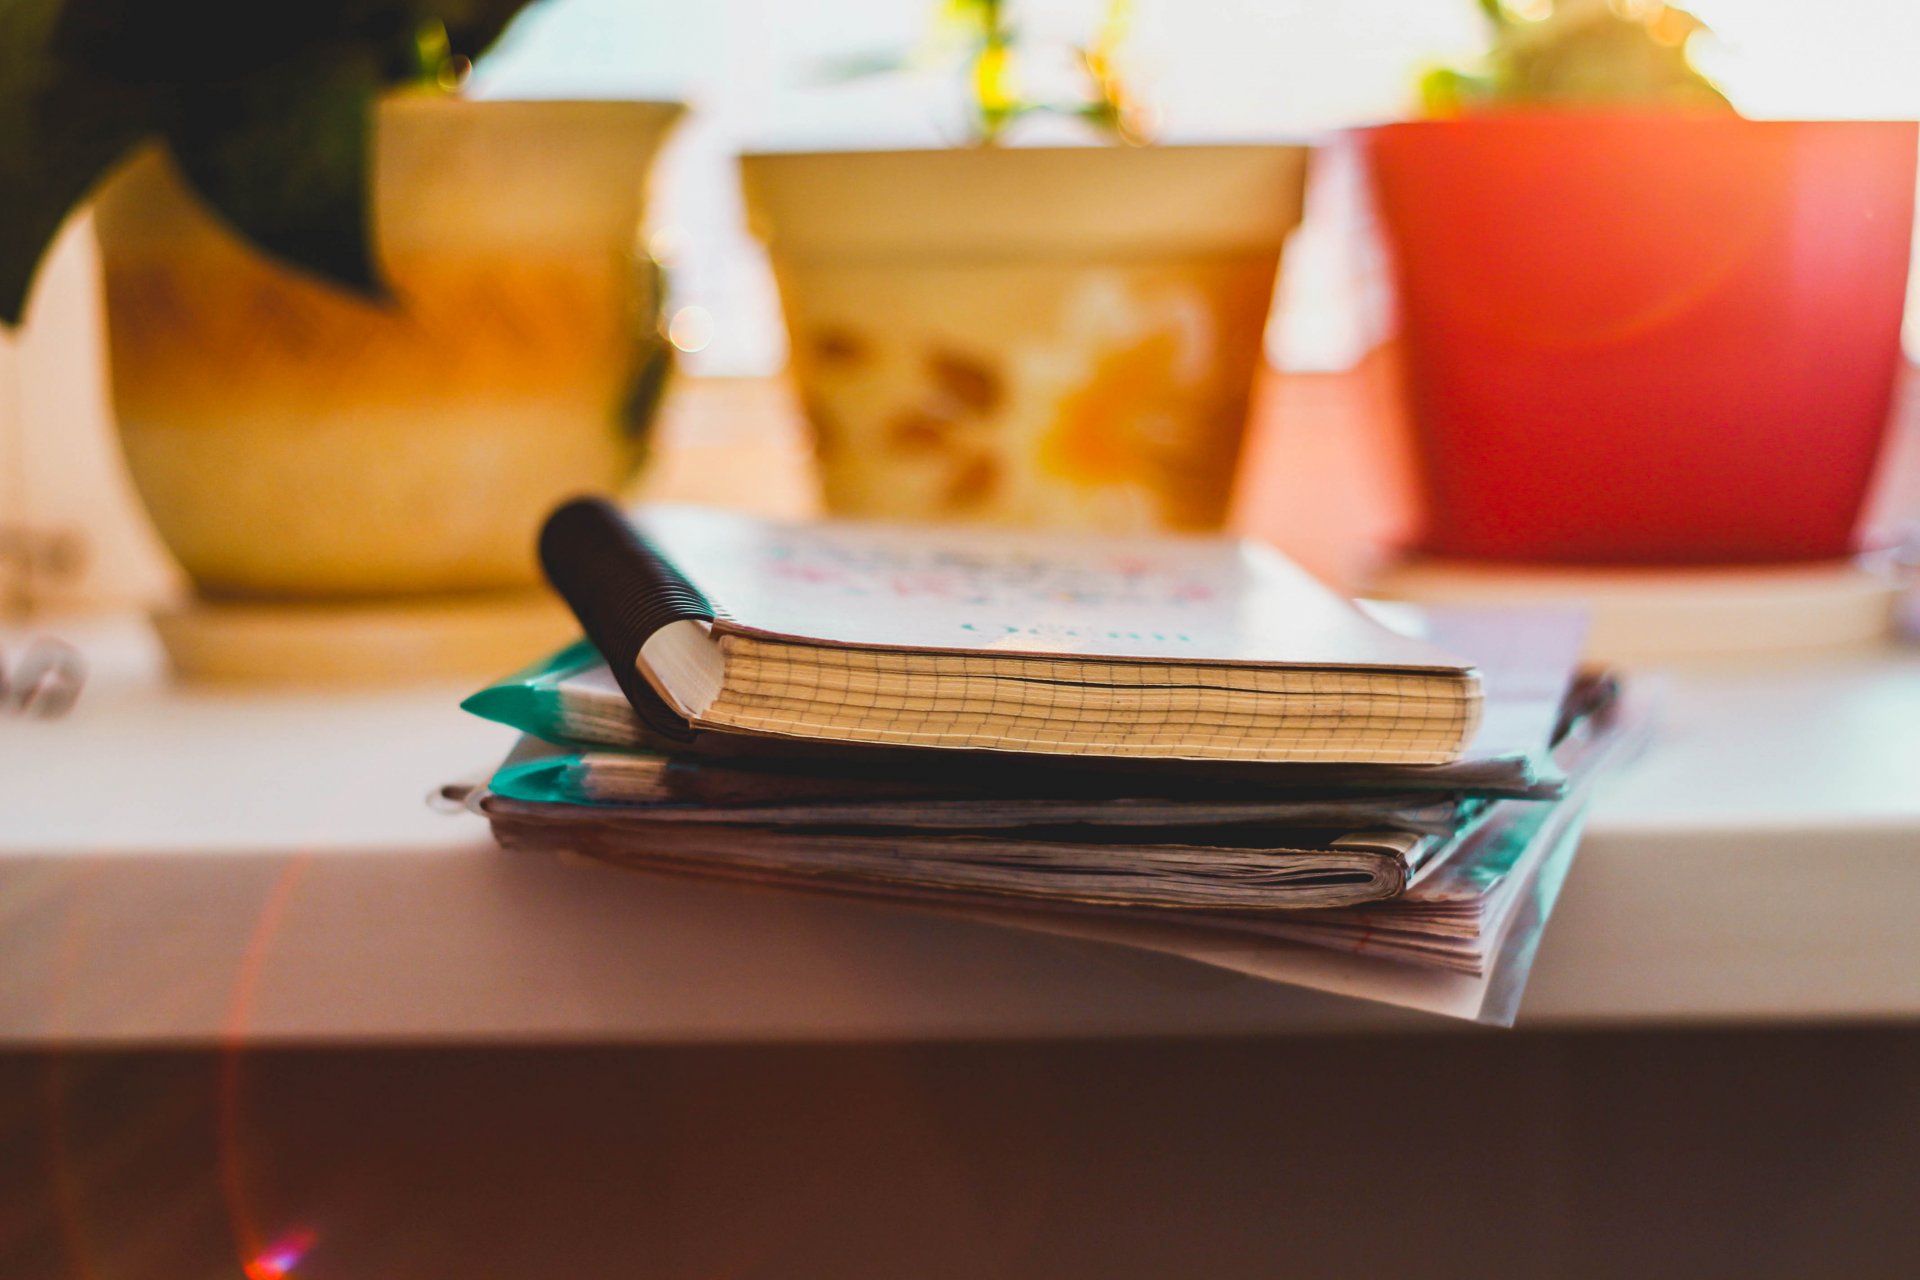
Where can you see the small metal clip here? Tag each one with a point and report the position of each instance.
(45, 682)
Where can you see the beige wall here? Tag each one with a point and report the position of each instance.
(60, 467)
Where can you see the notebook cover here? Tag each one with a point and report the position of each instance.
(946, 589)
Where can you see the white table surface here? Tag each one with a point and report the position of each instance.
(194, 866)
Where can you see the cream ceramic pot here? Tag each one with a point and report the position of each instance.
(1060, 337)
(292, 441)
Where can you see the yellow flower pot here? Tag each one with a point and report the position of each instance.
(295, 443)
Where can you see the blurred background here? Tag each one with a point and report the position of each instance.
(757, 73)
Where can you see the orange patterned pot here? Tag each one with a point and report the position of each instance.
(1058, 337)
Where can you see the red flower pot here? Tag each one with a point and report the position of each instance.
(1647, 339)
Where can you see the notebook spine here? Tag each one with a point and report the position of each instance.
(622, 590)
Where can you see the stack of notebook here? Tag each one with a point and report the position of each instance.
(1181, 744)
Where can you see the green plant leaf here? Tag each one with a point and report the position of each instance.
(266, 108)
(1588, 55)
(283, 155)
(59, 132)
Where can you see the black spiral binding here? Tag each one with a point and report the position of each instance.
(622, 590)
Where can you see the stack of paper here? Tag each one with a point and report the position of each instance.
(1179, 744)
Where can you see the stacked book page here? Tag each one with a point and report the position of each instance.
(1181, 745)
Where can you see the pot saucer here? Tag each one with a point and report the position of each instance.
(1655, 615)
(361, 642)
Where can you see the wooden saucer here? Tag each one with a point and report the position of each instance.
(362, 642)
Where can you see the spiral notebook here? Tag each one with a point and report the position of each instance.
(1162, 648)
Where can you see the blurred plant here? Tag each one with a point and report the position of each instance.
(267, 110)
(982, 39)
(1579, 53)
